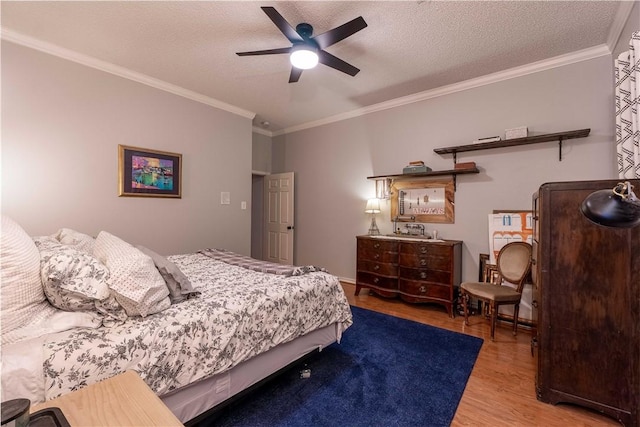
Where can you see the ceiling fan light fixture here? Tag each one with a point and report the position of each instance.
(304, 57)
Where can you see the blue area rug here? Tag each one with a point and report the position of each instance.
(387, 371)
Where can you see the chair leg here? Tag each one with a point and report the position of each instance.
(465, 303)
(516, 309)
(494, 315)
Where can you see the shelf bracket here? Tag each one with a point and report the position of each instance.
(560, 149)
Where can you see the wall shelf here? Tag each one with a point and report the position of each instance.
(537, 139)
(426, 174)
(453, 172)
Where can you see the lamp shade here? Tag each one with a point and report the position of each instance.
(373, 206)
(304, 57)
(612, 208)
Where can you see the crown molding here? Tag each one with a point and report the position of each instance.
(52, 49)
(534, 67)
(620, 20)
(262, 131)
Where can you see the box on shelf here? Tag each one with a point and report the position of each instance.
(519, 132)
(465, 165)
(487, 139)
(416, 169)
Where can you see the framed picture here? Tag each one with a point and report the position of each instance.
(423, 201)
(149, 173)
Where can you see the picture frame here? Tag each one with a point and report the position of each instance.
(423, 201)
(144, 172)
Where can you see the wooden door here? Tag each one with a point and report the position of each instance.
(279, 218)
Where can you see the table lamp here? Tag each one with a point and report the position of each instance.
(373, 207)
(619, 207)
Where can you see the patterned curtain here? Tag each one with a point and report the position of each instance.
(627, 91)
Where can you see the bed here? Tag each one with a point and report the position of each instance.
(214, 325)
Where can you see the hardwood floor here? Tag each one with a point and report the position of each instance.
(501, 389)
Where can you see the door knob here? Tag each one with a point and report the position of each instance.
(290, 227)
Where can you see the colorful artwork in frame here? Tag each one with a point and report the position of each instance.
(149, 173)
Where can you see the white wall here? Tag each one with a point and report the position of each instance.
(332, 162)
(632, 24)
(61, 126)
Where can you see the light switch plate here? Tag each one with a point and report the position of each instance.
(225, 198)
(243, 205)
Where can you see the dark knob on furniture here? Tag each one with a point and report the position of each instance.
(376, 280)
(376, 245)
(376, 267)
(423, 289)
(423, 249)
(376, 256)
(423, 261)
(423, 275)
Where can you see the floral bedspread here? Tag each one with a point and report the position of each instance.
(240, 313)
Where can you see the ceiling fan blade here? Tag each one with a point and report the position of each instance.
(265, 52)
(282, 24)
(295, 74)
(340, 33)
(326, 58)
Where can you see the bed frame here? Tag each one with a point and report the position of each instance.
(203, 400)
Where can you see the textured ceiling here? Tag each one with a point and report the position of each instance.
(407, 48)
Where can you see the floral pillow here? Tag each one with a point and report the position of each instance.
(75, 281)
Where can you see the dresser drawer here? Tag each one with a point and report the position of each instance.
(384, 269)
(377, 255)
(377, 245)
(425, 274)
(432, 249)
(425, 289)
(433, 262)
(374, 280)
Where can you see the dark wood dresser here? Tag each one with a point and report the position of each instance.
(416, 270)
(587, 283)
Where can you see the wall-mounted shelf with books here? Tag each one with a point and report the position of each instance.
(536, 139)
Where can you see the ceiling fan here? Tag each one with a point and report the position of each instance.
(308, 50)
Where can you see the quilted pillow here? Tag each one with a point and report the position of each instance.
(75, 239)
(22, 298)
(179, 285)
(138, 285)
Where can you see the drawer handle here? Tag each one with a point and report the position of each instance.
(423, 249)
(423, 275)
(423, 261)
(423, 289)
(376, 256)
(376, 267)
(376, 280)
(376, 245)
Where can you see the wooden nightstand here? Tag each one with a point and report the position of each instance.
(124, 400)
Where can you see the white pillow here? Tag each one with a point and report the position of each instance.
(22, 299)
(82, 242)
(138, 285)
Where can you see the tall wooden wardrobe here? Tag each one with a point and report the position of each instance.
(587, 287)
